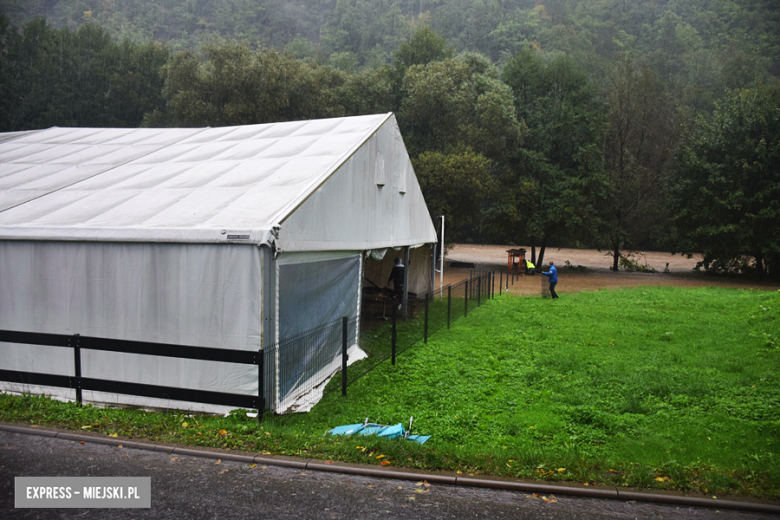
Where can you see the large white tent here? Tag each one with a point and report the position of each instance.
(230, 237)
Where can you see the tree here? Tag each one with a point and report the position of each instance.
(425, 46)
(456, 185)
(455, 102)
(725, 194)
(556, 173)
(640, 139)
(233, 85)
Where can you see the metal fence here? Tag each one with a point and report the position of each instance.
(297, 368)
(293, 373)
(429, 313)
(77, 343)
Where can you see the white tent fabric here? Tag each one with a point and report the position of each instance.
(210, 185)
(177, 236)
(205, 295)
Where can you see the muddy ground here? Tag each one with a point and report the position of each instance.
(597, 274)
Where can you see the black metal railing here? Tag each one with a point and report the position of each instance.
(79, 383)
(301, 364)
(288, 371)
(433, 311)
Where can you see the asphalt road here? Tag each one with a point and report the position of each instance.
(193, 487)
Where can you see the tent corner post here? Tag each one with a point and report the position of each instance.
(405, 297)
(344, 327)
(260, 385)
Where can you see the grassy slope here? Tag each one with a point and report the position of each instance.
(649, 387)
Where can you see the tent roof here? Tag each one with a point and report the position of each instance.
(169, 185)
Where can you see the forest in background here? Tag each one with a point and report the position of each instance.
(550, 122)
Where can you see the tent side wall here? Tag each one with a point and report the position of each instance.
(188, 294)
(372, 201)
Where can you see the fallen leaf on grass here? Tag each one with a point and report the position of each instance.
(223, 432)
(223, 471)
(252, 466)
(114, 435)
(219, 461)
(380, 456)
(385, 462)
(662, 479)
(86, 427)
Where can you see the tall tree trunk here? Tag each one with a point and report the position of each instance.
(542, 247)
(760, 265)
(615, 255)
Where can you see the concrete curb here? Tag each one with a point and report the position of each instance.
(370, 471)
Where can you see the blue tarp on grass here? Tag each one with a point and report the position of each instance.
(390, 432)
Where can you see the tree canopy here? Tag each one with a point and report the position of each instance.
(726, 192)
(538, 123)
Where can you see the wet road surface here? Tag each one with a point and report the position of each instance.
(193, 487)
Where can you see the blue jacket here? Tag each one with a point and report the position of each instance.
(552, 274)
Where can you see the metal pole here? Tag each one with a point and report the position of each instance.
(425, 333)
(449, 304)
(260, 384)
(344, 324)
(392, 343)
(493, 284)
(441, 263)
(433, 268)
(77, 362)
(479, 290)
(405, 298)
(466, 312)
(500, 282)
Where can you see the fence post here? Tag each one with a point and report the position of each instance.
(425, 331)
(500, 282)
(493, 284)
(466, 312)
(260, 384)
(344, 325)
(74, 341)
(449, 304)
(479, 291)
(395, 310)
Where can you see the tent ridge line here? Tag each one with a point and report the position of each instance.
(284, 214)
(101, 172)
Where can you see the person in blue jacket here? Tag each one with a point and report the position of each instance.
(552, 276)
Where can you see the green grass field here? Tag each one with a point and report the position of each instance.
(649, 387)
